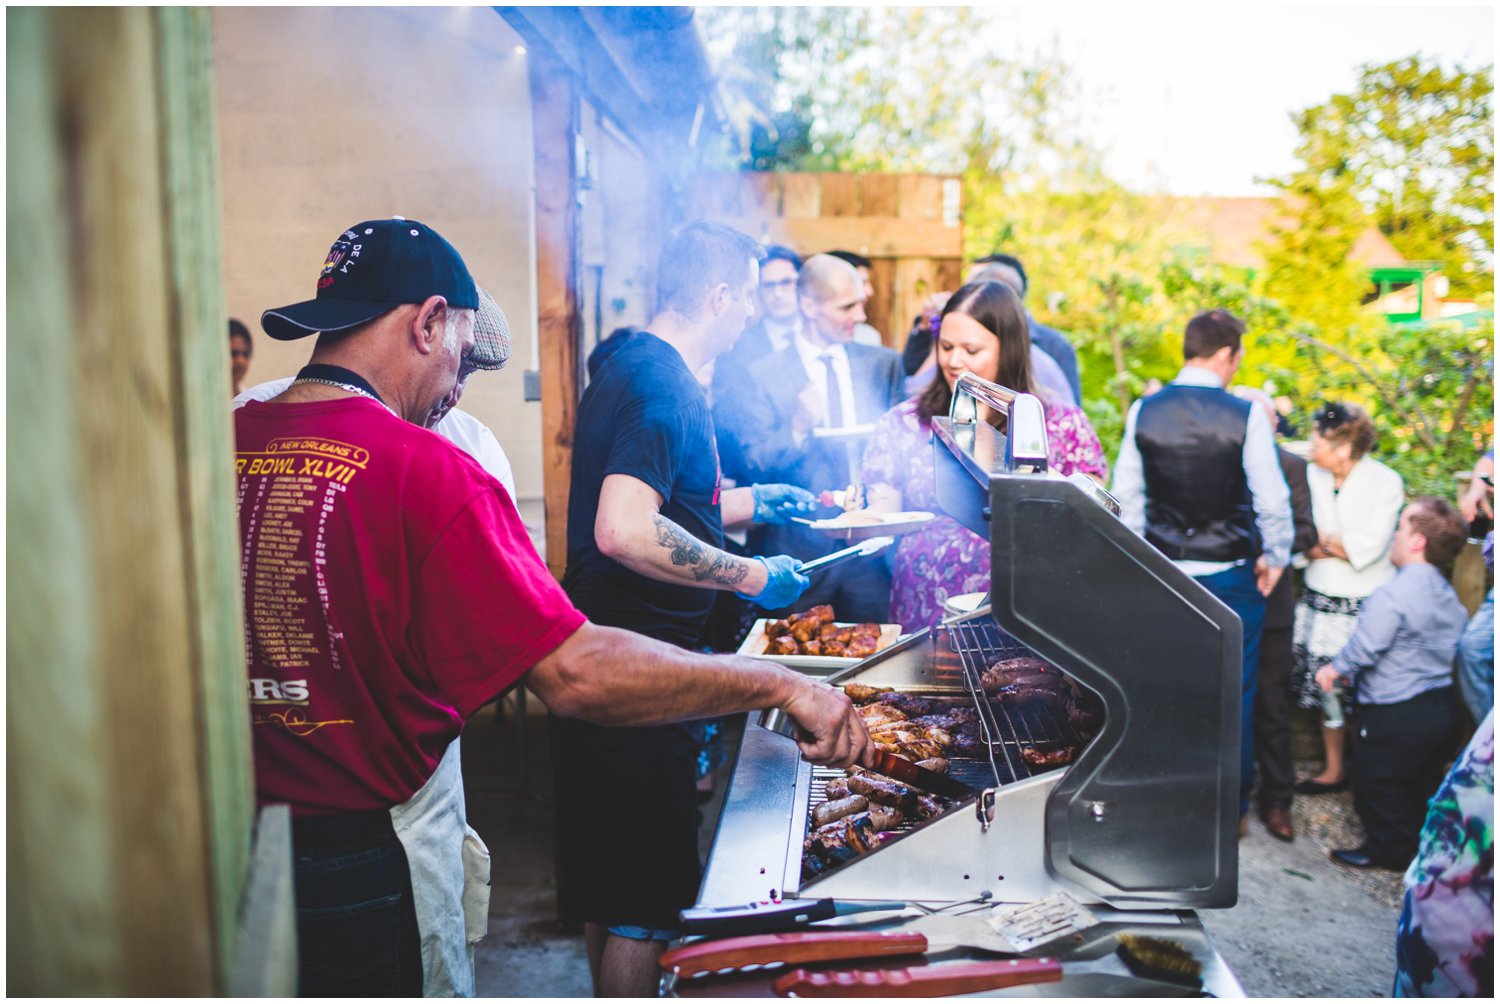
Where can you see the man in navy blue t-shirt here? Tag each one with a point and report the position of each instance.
(645, 533)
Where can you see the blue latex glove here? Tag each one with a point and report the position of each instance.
(777, 503)
(783, 582)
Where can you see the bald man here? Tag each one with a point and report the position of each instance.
(801, 417)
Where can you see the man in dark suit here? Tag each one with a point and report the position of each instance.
(821, 383)
(1049, 340)
(1272, 714)
(773, 331)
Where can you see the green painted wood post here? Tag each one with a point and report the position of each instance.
(128, 775)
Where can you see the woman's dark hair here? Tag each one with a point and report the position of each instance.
(237, 329)
(997, 308)
(1341, 423)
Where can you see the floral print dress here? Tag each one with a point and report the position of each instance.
(944, 559)
(1445, 939)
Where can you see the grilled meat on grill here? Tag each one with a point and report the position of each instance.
(884, 791)
(862, 693)
(830, 811)
(1048, 758)
(937, 765)
(1085, 712)
(1021, 695)
(914, 750)
(1008, 671)
(836, 788)
(842, 839)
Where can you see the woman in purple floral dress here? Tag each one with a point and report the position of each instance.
(983, 330)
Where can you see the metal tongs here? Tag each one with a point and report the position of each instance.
(861, 550)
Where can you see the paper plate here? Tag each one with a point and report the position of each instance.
(862, 524)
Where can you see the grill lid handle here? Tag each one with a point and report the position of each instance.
(1026, 424)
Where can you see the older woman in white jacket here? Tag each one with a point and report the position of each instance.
(1356, 502)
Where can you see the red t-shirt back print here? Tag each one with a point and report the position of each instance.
(362, 668)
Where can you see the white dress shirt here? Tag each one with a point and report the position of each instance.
(781, 333)
(458, 427)
(1270, 496)
(817, 373)
(1363, 515)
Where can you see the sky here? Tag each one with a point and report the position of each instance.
(1197, 99)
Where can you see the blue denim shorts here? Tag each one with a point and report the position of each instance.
(643, 933)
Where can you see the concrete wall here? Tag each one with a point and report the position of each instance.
(330, 116)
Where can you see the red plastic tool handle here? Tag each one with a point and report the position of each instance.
(921, 981)
(702, 958)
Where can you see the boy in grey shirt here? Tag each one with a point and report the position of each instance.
(1400, 663)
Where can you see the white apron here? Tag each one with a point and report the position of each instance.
(450, 878)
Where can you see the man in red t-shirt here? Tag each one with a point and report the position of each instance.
(391, 590)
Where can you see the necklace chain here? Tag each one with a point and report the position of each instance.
(351, 388)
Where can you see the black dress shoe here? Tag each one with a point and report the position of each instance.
(1310, 787)
(1358, 857)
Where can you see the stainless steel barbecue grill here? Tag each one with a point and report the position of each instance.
(1146, 813)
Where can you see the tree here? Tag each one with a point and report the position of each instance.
(1414, 144)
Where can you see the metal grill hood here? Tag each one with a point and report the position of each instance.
(1145, 816)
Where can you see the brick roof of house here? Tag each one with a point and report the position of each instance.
(1230, 227)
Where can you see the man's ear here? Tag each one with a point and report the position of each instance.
(426, 329)
(718, 300)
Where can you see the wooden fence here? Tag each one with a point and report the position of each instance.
(908, 225)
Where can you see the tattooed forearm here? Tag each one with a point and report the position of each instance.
(708, 564)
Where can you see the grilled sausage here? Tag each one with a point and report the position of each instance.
(884, 791)
(836, 789)
(928, 806)
(843, 839)
(827, 812)
(883, 817)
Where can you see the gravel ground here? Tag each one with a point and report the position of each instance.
(1304, 926)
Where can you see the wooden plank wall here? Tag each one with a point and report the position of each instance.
(555, 123)
(909, 226)
(127, 772)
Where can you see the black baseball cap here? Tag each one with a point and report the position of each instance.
(378, 265)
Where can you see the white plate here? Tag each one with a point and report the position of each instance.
(964, 603)
(862, 524)
(756, 642)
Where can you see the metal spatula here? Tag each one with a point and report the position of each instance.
(1006, 931)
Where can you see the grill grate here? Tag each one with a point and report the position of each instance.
(1004, 729)
(978, 642)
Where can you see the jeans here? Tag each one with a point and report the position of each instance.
(1236, 588)
(1476, 660)
(356, 923)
